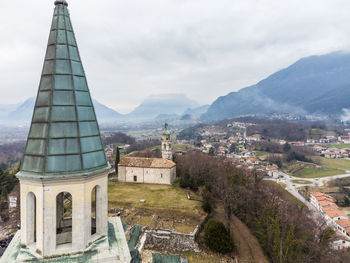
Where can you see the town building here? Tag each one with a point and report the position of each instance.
(333, 216)
(150, 170)
(147, 170)
(272, 171)
(64, 173)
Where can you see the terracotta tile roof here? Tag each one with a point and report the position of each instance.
(324, 198)
(344, 223)
(146, 162)
(327, 203)
(316, 194)
(333, 212)
(319, 194)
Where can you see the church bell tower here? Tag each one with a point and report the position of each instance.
(64, 173)
(167, 152)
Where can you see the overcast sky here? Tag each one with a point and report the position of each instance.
(203, 48)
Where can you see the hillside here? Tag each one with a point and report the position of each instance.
(153, 106)
(22, 114)
(316, 84)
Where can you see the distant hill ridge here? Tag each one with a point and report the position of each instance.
(155, 107)
(316, 84)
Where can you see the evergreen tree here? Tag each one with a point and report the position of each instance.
(117, 160)
(286, 147)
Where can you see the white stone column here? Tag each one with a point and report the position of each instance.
(49, 222)
(80, 218)
(102, 207)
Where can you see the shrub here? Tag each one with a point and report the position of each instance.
(216, 236)
(206, 206)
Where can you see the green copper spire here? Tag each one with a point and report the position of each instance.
(64, 138)
(166, 131)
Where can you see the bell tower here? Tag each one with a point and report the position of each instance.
(167, 152)
(64, 173)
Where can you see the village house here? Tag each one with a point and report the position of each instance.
(254, 138)
(340, 243)
(344, 139)
(329, 210)
(150, 170)
(343, 225)
(317, 197)
(147, 170)
(272, 171)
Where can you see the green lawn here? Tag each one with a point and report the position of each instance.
(316, 172)
(301, 181)
(328, 167)
(165, 206)
(339, 164)
(155, 196)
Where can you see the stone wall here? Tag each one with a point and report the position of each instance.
(167, 240)
(147, 175)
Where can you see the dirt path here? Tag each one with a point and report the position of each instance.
(247, 246)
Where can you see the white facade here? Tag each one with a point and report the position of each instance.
(147, 175)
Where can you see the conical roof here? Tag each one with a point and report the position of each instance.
(64, 138)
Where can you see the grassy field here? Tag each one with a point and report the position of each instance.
(316, 172)
(340, 164)
(323, 167)
(165, 206)
(301, 182)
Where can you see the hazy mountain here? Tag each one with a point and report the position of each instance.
(198, 110)
(316, 84)
(105, 114)
(23, 113)
(5, 109)
(155, 105)
(194, 113)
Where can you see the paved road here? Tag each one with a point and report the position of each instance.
(292, 187)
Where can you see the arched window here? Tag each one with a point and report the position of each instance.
(93, 211)
(31, 218)
(96, 199)
(64, 214)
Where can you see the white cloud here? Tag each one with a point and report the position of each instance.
(203, 48)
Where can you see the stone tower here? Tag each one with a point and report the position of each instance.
(167, 152)
(63, 177)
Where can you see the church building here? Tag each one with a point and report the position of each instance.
(150, 170)
(64, 173)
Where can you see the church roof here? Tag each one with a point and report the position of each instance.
(146, 162)
(64, 138)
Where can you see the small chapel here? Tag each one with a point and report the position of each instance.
(150, 170)
(64, 173)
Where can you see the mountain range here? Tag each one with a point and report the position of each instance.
(155, 107)
(312, 85)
